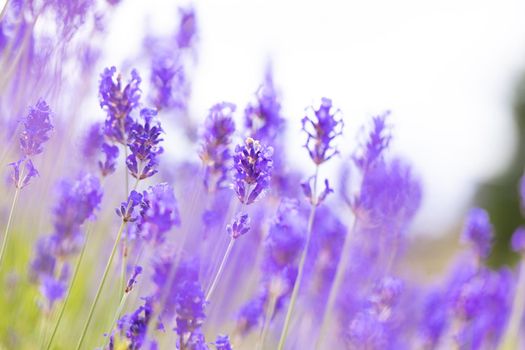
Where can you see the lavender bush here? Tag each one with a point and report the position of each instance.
(120, 244)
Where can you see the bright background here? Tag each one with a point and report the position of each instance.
(446, 69)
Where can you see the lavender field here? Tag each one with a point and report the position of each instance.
(127, 221)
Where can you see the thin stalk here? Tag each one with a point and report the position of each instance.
(4, 10)
(510, 338)
(124, 241)
(101, 285)
(66, 300)
(8, 226)
(221, 268)
(336, 284)
(269, 313)
(302, 261)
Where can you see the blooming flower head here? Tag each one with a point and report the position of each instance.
(169, 83)
(253, 166)
(159, 212)
(127, 209)
(215, 152)
(322, 127)
(144, 142)
(36, 128)
(118, 102)
(478, 232)
(133, 327)
(518, 240)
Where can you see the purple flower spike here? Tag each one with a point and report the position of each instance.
(322, 127)
(133, 327)
(159, 213)
(109, 165)
(253, 166)
(133, 280)
(37, 126)
(127, 208)
(518, 240)
(52, 289)
(118, 102)
(144, 142)
(222, 343)
(478, 231)
(377, 142)
(240, 226)
(21, 179)
(187, 29)
(215, 152)
(169, 84)
(307, 190)
(93, 141)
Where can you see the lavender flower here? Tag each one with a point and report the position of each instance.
(118, 103)
(21, 178)
(133, 328)
(263, 118)
(253, 166)
(322, 127)
(239, 227)
(185, 298)
(109, 165)
(377, 142)
(187, 28)
(215, 152)
(159, 213)
(518, 240)
(435, 317)
(93, 141)
(308, 193)
(37, 126)
(478, 232)
(144, 142)
(169, 83)
(133, 280)
(127, 209)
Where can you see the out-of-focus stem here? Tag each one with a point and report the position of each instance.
(221, 268)
(4, 10)
(302, 261)
(336, 284)
(269, 313)
(510, 338)
(68, 294)
(8, 226)
(124, 241)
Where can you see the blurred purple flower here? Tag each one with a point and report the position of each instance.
(133, 279)
(93, 140)
(109, 165)
(36, 128)
(22, 177)
(159, 213)
(222, 343)
(518, 240)
(215, 152)
(377, 142)
(133, 327)
(253, 167)
(239, 227)
(478, 232)
(322, 127)
(187, 28)
(169, 85)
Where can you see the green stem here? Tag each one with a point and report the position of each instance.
(124, 241)
(302, 261)
(8, 226)
(219, 271)
(101, 285)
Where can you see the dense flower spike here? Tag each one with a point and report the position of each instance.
(478, 232)
(253, 168)
(132, 328)
(36, 128)
(159, 213)
(215, 153)
(169, 83)
(144, 142)
(322, 127)
(118, 103)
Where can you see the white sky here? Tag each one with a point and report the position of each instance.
(446, 69)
